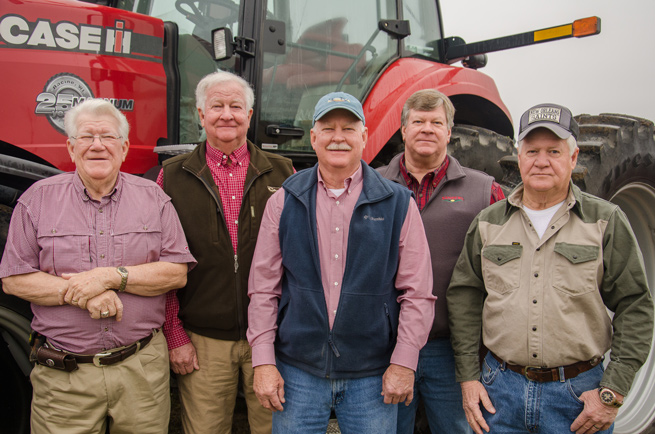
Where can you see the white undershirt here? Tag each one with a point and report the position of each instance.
(541, 218)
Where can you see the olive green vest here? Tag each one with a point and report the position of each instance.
(214, 302)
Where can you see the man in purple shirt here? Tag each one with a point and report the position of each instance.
(95, 251)
(340, 287)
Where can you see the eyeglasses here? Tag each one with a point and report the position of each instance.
(105, 139)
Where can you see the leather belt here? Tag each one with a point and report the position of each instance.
(543, 375)
(63, 360)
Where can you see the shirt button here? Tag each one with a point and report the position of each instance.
(334, 312)
(100, 210)
(534, 329)
(230, 174)
(336, 256)
(536, 274)
(106, 329)
(534, 301)
(538, 248)
(534, 355)
(336, 283)
(337, 229)
(102, 256)
(236, 222)
(234, 197)
(337, 202)
(102, 232)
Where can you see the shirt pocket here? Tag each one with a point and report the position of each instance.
(137, 244)
(501, 267)
(65, 250)
(574, 268)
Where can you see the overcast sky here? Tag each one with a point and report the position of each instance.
(611, 72)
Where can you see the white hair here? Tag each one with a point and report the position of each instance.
(573, 144)
(222, 77)
(96, 107)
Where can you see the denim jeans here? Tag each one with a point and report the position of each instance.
(358, 404)
(524, 406)
(435, 385)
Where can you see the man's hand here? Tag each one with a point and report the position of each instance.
(82, 287)
(398, 385)
(474, 393)
(269, 387)
(595, 416)
(184, 359)
(105, 305)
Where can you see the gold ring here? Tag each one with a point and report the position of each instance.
(104, 314)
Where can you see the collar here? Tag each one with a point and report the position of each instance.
(218, 157)
(573, 199)
(80, 188)
(350, 182)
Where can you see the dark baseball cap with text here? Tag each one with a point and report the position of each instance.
(556, 118)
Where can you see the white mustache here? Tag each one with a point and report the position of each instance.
(338, 147)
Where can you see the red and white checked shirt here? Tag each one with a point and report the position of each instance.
(423, 190)
(229, 173)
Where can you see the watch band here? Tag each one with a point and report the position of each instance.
(123, 273)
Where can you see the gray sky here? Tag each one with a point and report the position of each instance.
(613, 72)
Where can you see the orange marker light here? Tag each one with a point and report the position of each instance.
(586, 27)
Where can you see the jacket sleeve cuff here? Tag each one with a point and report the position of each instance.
(467, 368)
(263, 354)
(618, 377)
(405, 355)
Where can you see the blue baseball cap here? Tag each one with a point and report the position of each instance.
(338, 100)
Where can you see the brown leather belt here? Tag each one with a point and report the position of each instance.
(543, 375)
(63, 360)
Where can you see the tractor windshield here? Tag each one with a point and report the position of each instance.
(330, 46)
(319, 47)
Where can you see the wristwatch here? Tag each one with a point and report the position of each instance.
(608, 397)
(123, 272)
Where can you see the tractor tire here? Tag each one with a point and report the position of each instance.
(479, 148)
(16, 393)
(617, 163)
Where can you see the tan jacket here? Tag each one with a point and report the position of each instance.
(542, 302)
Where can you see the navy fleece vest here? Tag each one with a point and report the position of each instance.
(365, 328)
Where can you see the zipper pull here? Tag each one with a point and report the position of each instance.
(236, 263)
(334, 347)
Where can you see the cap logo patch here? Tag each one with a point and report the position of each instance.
(338, 99)
(551, 114)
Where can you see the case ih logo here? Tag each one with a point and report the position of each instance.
(18, 32)
(63, 92)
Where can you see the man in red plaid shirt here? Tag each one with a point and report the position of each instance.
(219, 191)
(449, 197)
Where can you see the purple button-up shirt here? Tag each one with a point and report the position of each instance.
(57, 228)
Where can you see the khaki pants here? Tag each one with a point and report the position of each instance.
(209, 394)
(134, 395)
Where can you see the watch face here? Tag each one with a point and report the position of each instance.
(607, 397)
(122, 270)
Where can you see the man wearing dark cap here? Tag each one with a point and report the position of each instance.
(340, 287)
(536, 277)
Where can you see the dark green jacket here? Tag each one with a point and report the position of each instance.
(214, 303)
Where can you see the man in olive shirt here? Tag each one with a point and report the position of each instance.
(536, 275)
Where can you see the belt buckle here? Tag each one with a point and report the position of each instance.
(96, 359)
(526, 370)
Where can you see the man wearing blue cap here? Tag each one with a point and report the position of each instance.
(535, 278)
(340, 287)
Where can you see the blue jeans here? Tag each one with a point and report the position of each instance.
(435, 385)
(524, 406)
(357, 402)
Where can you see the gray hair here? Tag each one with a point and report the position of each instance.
(573, 144)
(222, 77)
(427, 100)
(96, 107)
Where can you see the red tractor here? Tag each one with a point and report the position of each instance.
(146, 56)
